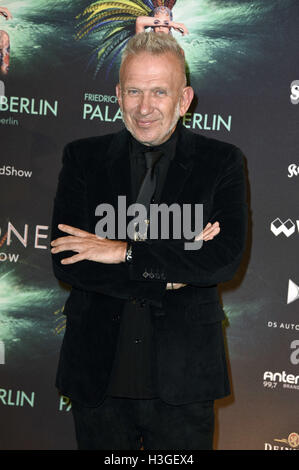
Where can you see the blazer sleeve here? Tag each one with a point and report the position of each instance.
(71, 208)
(217, 260)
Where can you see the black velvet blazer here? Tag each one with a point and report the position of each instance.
(188, 339)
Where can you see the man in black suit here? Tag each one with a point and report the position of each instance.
(143, 352)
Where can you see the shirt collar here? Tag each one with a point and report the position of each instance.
(167, 147)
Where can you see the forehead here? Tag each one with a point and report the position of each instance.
(146, 67)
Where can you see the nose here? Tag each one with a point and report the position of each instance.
(145, 104)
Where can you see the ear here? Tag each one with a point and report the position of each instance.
(118, 94)
(186, 99)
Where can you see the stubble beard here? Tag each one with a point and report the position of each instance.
(165, 136)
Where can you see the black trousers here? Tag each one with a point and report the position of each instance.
(129, 424)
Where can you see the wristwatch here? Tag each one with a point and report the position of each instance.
(129, 256)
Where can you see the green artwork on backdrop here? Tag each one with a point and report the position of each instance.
(88, 38)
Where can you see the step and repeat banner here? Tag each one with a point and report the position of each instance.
(58, 70)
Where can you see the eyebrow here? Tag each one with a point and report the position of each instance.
(157, 87)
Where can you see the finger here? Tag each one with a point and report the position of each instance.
(71, 246)
(201, 235)
(73, 230)
(212, 235)
(210, 231)
(174, 285)
(73, 259)
(214, 231)
(210, 227)
(66, 240)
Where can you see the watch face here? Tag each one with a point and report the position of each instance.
(129, 253)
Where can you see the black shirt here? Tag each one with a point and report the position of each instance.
(133, 374)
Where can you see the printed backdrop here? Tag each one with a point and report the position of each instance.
(63, 67)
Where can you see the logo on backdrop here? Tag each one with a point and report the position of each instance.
(9, 397)
(23, 105)
(293, 292)
(287, 227)
(292, 296)
(214, 122)
(65, 403)
(283, 325)
(294, 97)
(292, 440)
(293, 170)
(101, 107)
(105, 108)
(30, 237)
(8, 170)
(272, 380)
(294, 357)
(291, 443)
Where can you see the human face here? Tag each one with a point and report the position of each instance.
(152, 96)
(164, 19)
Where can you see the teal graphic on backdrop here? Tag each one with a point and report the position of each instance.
(224, 37)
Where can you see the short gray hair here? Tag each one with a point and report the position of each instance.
(155, 44)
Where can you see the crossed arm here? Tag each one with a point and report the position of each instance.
(91, 247)
(88, 262)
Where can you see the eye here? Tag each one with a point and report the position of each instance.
(160, 92)
(133, 92)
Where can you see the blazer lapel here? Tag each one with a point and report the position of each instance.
(118, 166)
(179, 169)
